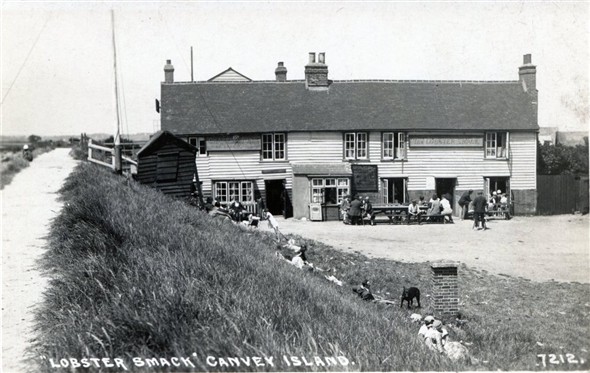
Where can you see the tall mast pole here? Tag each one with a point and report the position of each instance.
(192, 79)
(117, 138)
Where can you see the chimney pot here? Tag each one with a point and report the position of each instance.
(527, 59)
(281, 72)
(311, 57)
(316, 74)
(169, 72)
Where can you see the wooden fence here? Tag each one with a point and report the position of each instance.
(106, 157)
(561, 194)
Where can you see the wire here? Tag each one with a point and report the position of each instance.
(26, 59)
(199, 91)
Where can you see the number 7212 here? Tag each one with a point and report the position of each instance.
(556, 359)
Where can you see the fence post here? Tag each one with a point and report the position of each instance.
(445, 288)
(89, 149)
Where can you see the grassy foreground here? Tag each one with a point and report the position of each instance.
(138, 276)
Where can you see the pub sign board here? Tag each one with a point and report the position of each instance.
(423, 141)
(364, 178)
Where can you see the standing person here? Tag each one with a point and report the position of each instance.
(344, 207)
(479, 210)
(369, 210)
(447, 211)
(261, 207)
(274, 225)
(355, 210)
(464, 202)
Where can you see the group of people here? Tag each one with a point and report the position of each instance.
(354, 211)
(441, 207)
(481, 206)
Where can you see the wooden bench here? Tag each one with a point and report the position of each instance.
(433, 219)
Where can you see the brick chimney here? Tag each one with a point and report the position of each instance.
(281, 72)
(168, 72)
(528, 75)
(316, 73)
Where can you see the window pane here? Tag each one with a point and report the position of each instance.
(361, 145)
(221, 192)
(388, 145)
(330, 182)
(279, 146)
(400, 150)
(501, 139)
(349, 148)
(202, 146)
(234, 190)
(267, 142)
(491, 144)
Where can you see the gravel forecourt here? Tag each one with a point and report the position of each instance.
(539, 248)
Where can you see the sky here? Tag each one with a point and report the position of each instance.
(57, 58)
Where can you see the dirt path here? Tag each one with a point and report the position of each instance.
(28, 205)
(540, 248)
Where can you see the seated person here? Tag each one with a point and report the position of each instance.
(236, 209)
(422, 202)
(434, 206)
(414, 212)
(428, 320)
(446, 209)
(209, 205)
(364, 291)
(253, 220)
(433, 338)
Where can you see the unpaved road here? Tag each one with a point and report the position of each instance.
(539, 248)
(29, 203)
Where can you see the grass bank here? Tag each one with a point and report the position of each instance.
(135, 274)
(12, 162)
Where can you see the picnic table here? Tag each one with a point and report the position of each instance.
(395, 213)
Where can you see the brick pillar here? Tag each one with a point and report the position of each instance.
(445, 289)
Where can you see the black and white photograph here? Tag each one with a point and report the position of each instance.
(295, 186)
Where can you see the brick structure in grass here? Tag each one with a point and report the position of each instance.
(445, 288)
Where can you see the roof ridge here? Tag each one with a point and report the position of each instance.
(418, 81)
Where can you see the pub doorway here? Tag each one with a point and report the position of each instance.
(274, 196)
(446, 186)
(394, 190)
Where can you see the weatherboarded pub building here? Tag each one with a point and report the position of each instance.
(304, 144)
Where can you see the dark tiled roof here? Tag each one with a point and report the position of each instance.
(208, 108)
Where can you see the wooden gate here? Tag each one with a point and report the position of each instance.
(557, 194)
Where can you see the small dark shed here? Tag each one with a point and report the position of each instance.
(167, 163)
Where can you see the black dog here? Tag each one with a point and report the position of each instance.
(409, 294)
